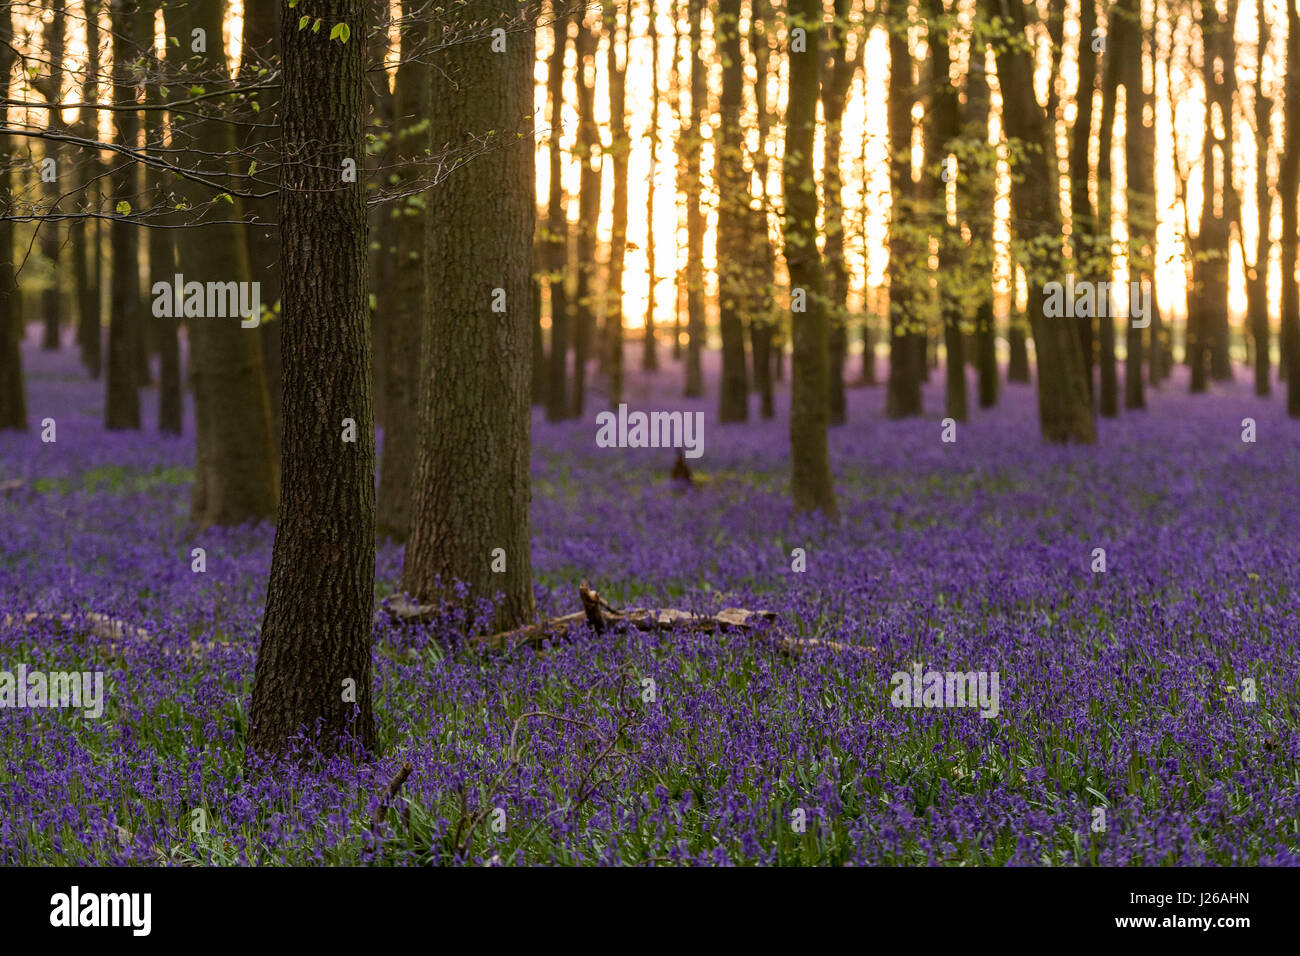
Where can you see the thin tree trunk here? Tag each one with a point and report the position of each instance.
(1288, 184)
(1083, 216)
(1139, 165)
(694, 210)
(51, 232)
(620, 148)
(405, 318)
(313, 666)
(1102, 261)
(13, 407)
(122, 406)
(906, 361)
(557, 229)
(1257, 273)
(733, 217)
(236, 474)
(470, 517)
(86, 250)
(839, 69)
(649, 350)
(584, 311)
(762, 253)
(811, 483)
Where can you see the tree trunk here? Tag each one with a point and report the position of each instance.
(51, 232)
(313, 667)
(1288, 184)
(13, 408)
(762, 253)
(1101, 262)
(557, 228)
(945, 121)
(1257, 274)
(694, 212)
(584, 312)
(236, 476)
(1140, 183)
(261, 51)
(811, 483)
(1064, 412)
(906, 362)
(1084, 225)
(619, 147)
(406, 308)
(733, 217)
(86, 252)
(983, 190)
(470, 514)
(839, 70)
(162, 252)
(122, 405)
(649, 348)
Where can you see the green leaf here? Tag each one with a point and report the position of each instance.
(340, 32)
(315, 27)
(123, 208)
(303, 22)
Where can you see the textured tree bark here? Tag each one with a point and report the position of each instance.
(472, 477)
(733, 218)
(811, 484)
(122, 402)
(13, 408)
(557, 227)
(320, 599)
(1064, 412)
(406, 308)
(619, 147)
(236, 474)
(906, 362)
(694, 213)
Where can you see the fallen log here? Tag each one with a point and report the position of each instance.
(105, 628)
(602, 617)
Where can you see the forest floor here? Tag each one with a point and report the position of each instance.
(1127, 729)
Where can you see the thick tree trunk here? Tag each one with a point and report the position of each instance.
(122, 405)
(405, 317)
(13, 408)
(313, 666)
(733, 218)
(1064, 412)
(811, 483)
(470, 514)
(557, 227)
